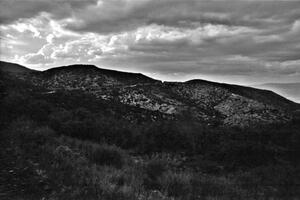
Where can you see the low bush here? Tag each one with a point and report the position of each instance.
(207, 186)
(154, 170)
(29, 135)
(100, 154)
(176, 184)
(272, 181)
(108, 155)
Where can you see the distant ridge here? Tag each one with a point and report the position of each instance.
(289, 90)
(13, 68)
(263, 95)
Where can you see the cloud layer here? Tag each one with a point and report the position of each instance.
(239, 41)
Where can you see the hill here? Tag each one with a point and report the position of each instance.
(80, 132)
(289, 90)
(198, 100)
(13, 68)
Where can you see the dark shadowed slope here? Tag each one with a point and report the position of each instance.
(289, 90)
(13, 68)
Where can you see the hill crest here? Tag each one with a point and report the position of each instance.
(197, 100)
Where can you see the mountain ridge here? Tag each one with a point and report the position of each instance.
(13, 67)
(199, 100)
(289, 90)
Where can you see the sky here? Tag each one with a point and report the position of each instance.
(234, 41)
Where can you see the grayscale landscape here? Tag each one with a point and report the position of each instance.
(149, 100)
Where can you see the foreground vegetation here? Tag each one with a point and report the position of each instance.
(67, 145)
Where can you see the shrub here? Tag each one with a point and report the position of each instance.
(39, 110)
(176, 184)
(29, 135)
(207, 166)
(206, 186)
(164, 137)
(273, 181)
(154, 169)
(108, 155)
(101, 154)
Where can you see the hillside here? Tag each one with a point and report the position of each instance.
(84, 133)
(13, 68)
(289, 90)
(202, 101)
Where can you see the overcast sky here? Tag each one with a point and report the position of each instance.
(243, 42)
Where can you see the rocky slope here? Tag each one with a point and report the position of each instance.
(202, 101)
